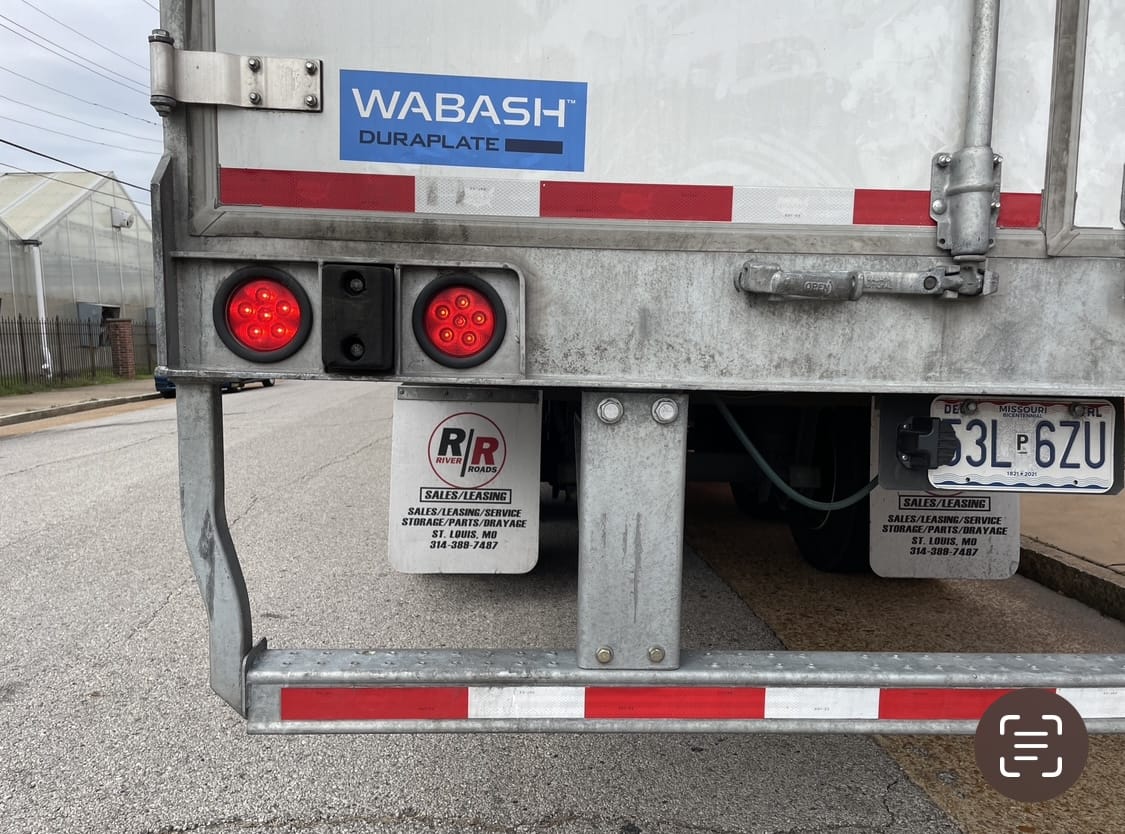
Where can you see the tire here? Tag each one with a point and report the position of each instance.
(168, 394)
(837, 541)
(751, 503)
(267, 383)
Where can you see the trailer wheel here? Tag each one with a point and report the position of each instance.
(836, 541)
(748, 497)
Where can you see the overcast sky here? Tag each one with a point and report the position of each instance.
(117, 114)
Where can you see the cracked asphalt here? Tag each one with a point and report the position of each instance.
(107, 723)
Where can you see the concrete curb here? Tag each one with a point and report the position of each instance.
(1075, 577)
(74, 408)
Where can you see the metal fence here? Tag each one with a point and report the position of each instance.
(46, 352)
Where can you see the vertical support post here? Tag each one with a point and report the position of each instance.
(199, 415)
(23, 349)
(630, 523)
(92, 341)
(59, 348)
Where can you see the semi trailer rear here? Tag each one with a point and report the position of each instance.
(861, 261)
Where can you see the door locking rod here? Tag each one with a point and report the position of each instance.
(947, 281)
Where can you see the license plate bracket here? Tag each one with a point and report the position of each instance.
(1031, 444)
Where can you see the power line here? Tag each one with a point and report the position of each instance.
(70, 164)
(116, 81)
(79, 98)
(79, 138)
(83, 35)
(77, 121)
(74, 185)
(154, 8)
(70, 51)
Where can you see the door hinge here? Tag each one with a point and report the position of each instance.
(251, 81)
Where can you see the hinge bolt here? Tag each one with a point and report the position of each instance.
(604, 654)
(656, 654)
(938, 206)
(610, 410)
(665, 411)
(311, 101)
(255, 98)
(255, 64)
(997, 159)
(310, 67)
(943, 160)
(996, 205)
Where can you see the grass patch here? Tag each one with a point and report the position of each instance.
(8, 388)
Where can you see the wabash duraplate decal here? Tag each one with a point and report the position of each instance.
(416, 119)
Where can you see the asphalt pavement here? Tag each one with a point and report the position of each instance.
(1072, 544)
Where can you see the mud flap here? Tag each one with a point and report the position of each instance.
(942, 534)
(464, 480)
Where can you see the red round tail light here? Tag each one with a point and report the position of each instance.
(459, 320)
(262, 314)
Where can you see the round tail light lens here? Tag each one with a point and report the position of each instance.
(262, 314)
(459, 320)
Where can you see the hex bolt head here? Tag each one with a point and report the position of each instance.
(255, 64)
(997, 159)
(665, 411)
(969, 407)
(938, 206)
(311, 67)
(610, 410)
(996, 205)
(656, 654)
(604, 654)
(943, 160)
(255, 97)
(311, 101)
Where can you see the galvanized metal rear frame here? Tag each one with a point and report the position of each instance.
(689, 330)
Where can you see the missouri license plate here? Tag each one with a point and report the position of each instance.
(1028, 445)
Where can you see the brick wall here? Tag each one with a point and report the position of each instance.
(120, 334)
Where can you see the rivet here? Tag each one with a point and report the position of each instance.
(938, 206)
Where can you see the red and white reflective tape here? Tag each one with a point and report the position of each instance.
(596, 200)
(620, 703)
